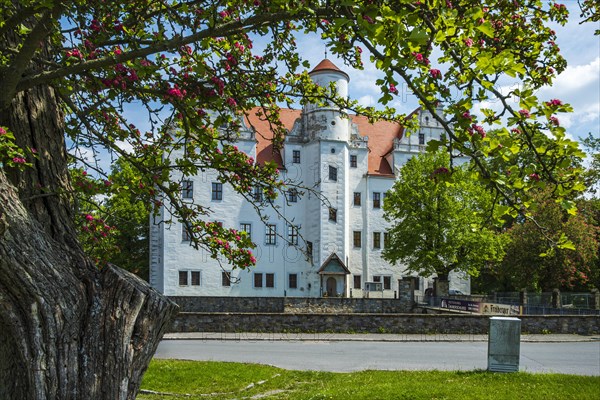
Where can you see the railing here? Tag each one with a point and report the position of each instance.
(555, 303)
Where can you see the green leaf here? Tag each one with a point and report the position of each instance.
(487, 29)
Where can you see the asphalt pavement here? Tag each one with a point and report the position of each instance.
(366, 337)
(565, 354)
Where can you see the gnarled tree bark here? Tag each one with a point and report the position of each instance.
(67, 329)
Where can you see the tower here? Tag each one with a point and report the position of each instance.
(328, 121)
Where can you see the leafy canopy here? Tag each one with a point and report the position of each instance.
(438, 216)
(193, 69)
(533, 262)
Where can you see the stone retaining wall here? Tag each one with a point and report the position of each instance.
(332, 305)
(374, 323)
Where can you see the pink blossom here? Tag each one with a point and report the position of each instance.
(368, 19)
(175, 92)
(524, 113)
(2, 131)
(554, 103)
(393, 89)
(435, 73)
(18, 160)
(89, 217)
(477, 128)
(418, 57)
(467, 115)
(534, 177)
(74, 53)
(554, 120)
(224, 14)
(231, 102)
(95, 25)
(469, 42)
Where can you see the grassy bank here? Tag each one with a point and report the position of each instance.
(218, 380)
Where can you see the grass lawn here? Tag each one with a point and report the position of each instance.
(219, 380)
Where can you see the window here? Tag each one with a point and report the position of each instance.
(186, 236)
(386, 239)
(271, 234)
(183, 278)
(387, 283)
(357, 282)
(217, 191)
(333, 214)
(292, 234)
(309, 251)
(353, 161)
(258, 278)
(195, 278)
(376, 240)
(293, 281)
(270, 280)
(225, 278)
(296, 156)
(332, 174)
(357, 236)
(376, 200)
(292, 195)
(421, 138)
(187, 189)
(357, 199)
(257, 193)
(247, 228)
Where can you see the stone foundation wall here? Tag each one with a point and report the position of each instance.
(331, 305)
(374, 323)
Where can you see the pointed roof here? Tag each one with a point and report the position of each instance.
(326, 65)
(333, 266)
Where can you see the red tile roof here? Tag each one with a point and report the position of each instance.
(327, 65)
(381, 138)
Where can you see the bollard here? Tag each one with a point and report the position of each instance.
(504, 344)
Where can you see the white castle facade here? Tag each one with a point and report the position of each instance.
(314, 248)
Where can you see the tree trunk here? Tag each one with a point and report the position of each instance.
(67, 329)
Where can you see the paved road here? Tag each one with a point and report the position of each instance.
(567, 357)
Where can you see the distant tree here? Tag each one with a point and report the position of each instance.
(439, 220)
(113, 216)
(592, 174)
(532, 260)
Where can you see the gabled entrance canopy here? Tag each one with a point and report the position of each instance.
(333, 266)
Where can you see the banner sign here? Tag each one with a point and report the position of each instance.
(500, 309)
(481, 308)
(461, 305)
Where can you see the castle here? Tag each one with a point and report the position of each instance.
(320, 248)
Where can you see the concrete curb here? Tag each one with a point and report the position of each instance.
(371, 337)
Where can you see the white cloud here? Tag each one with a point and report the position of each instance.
(367, 100)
